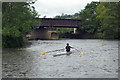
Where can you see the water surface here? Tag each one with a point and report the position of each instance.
(100, 60)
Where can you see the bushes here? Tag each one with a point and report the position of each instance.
(12, 42)
(99, 36)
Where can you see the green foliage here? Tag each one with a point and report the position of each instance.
(88, 16)
(66, 16)
(101, 19)
(10, 41)
(64, 30)
(108, 14)
(18, 19)
(98, 35)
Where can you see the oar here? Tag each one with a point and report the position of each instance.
(76, 49)
(43, 53)
(81, 53)
(54, 50)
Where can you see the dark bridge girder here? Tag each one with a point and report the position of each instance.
(63, 23)
(61, 26)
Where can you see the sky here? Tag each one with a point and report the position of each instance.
(51, 8)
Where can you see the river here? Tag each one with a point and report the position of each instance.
(100, 59)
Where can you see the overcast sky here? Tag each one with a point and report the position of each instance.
(51, 8)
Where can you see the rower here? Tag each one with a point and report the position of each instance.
(68, 48)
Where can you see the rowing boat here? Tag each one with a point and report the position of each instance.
(62, 53)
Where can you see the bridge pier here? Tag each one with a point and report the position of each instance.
(74, 30)
(43, 33)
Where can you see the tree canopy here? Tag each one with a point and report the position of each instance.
(18, 19)
(108, 14)
(88, 16)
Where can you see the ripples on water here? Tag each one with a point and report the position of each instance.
(100, 60)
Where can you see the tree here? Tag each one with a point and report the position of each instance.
(18, 19)
(108, 14)
(89, 22)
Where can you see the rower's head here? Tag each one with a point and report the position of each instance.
(67, 44)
